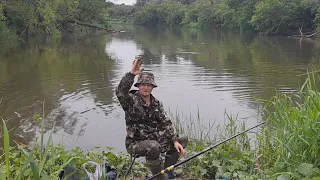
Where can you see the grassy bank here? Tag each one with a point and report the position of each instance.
(285, 148)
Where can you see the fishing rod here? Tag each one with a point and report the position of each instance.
(170, 168)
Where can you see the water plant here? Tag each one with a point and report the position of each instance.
(46, 160)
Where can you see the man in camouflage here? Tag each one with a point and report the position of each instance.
(149, 130)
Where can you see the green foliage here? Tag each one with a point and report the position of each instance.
(234, 13)
(290, 142)
(31, 17)
(5, 33)
(286, 148)
(205, 13)
(316, 10)
(34, 17)
(233, 160)
(6, 147)
(93, 12)
(67, 10)
(282, 16)
(147, 16)
(26, 164)
(140, 3)
(168, 13)
(122, 12)
(2, 17)
(268, 16)
(46, 161)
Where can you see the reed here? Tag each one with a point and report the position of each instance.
(6, 147)
(287, 147)
(289, 143)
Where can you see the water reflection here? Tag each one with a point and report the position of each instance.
(212, 72)
(72, 77)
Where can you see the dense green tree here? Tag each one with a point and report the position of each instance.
(315, 4)
(234, 13)
(147, 16)
(121, 12)
(166, 13)
(171, 13)
(2, 18)
(283, 16)
(93, 11)
(205, 12)
(286, 17)
(265, 16)
(31, 17)
(5, 33)
(140, 3)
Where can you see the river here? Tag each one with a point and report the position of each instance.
(201, 75)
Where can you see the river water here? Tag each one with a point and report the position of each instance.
(201, 75)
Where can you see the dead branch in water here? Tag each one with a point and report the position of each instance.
(90, 25)
(306, 35)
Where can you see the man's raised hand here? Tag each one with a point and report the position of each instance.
(136, 66)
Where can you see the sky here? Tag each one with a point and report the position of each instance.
(127, 2)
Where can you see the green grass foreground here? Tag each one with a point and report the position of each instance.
(287, 147)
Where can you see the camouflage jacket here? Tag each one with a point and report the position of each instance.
(144, 122)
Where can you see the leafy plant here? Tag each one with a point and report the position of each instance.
(46, 160)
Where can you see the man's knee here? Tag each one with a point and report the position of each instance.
(154, 150)
(148, 148)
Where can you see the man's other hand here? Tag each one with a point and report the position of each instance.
(179, 148)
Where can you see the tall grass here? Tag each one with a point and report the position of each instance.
(6, 147)
(192, 125)
(286, 148)
(290, 142)
(235, 159)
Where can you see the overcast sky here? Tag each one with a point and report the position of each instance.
(127, 2)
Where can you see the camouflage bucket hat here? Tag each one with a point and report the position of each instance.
(146, 78)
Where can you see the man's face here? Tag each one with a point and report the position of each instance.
(145, 89)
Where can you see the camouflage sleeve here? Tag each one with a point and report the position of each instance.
(167, 127)
(122, 91)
